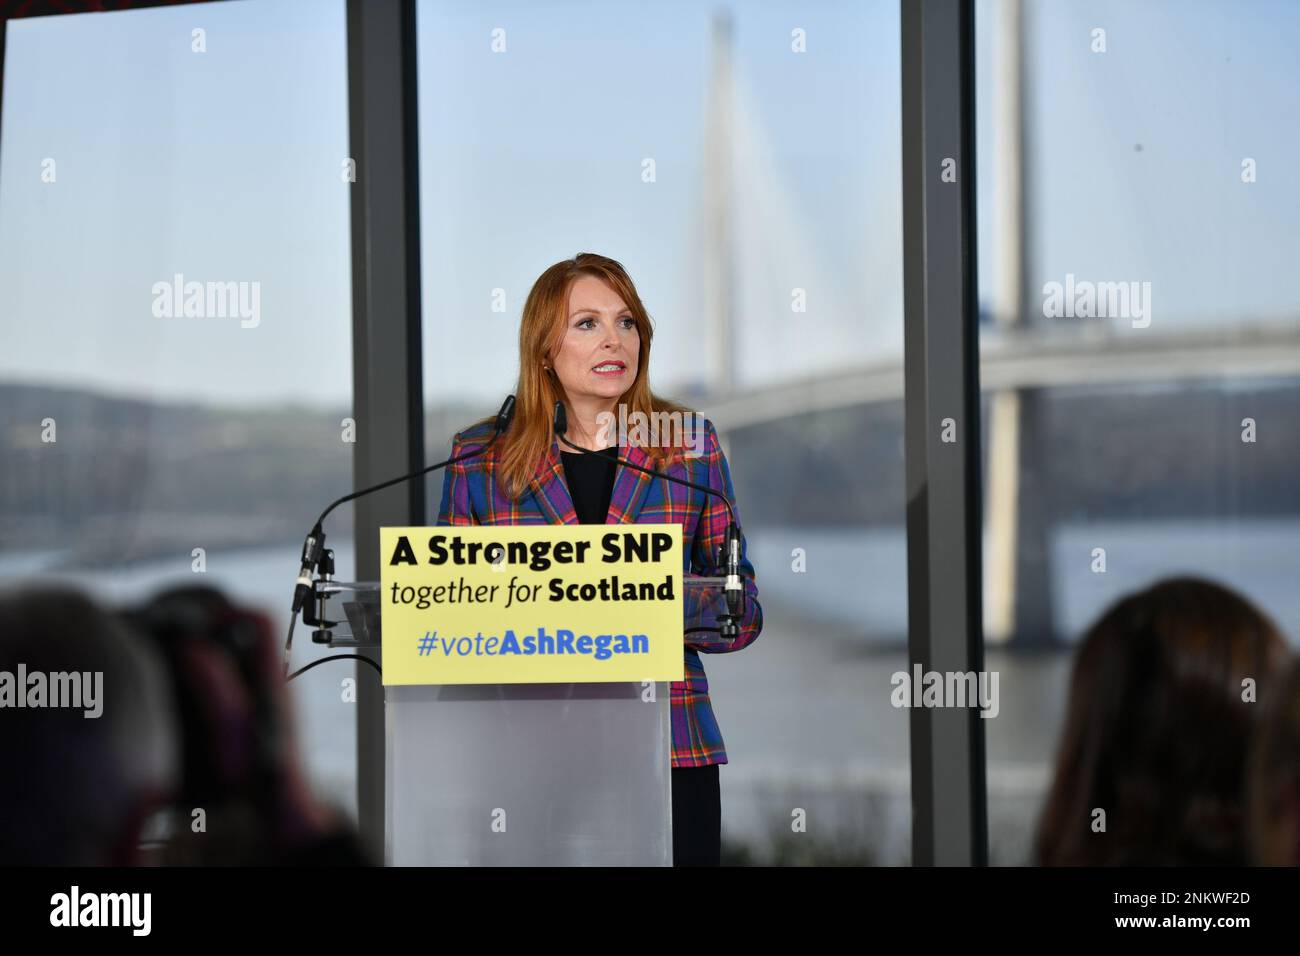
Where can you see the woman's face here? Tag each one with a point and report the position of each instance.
(597, 358)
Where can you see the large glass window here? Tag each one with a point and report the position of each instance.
(742, 162)
(1140, 344)
(151, 436)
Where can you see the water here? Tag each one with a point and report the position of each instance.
(856, 579)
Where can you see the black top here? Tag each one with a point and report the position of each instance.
(591, 483)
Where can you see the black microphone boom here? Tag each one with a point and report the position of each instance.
(733, 590)
(315, 543)
(560, 423)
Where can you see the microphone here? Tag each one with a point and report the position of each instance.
(733, 590)
(315, 543)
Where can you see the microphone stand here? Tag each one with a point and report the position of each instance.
(314, 546)
(733, 590)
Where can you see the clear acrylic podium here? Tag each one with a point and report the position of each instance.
(520, 774)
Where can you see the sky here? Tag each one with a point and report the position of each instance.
(226, 165)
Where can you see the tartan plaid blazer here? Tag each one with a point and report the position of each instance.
(471, 495)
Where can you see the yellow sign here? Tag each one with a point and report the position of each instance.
(531, 604)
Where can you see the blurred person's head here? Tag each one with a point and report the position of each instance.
(223, 674)
(243, 797)
(1274, 777)
(1167, 688)
(78, 787)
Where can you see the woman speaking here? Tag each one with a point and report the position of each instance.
(584, 340)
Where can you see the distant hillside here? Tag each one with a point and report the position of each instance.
(129, 479)
(1101, 454)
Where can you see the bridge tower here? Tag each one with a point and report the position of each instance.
(1018, 508)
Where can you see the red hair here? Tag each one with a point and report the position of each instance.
(521, 451)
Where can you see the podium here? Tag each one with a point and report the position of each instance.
(574, 774)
